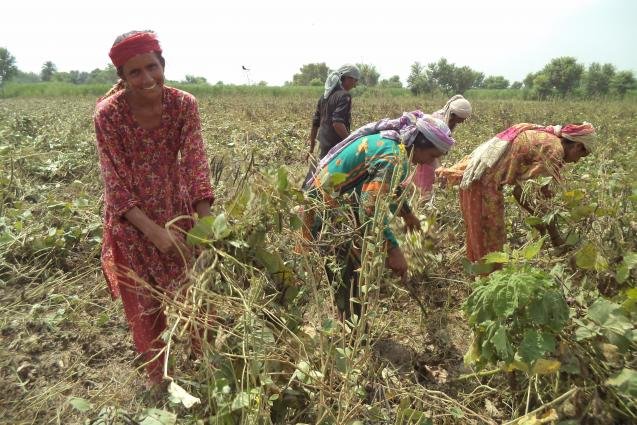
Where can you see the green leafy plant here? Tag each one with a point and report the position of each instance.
(516, 315)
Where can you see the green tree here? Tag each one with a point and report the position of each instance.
(622, 82)
(597, 79)
(7, 66)
(107, 75)
(26, 77)
(191, 79)
(542, 87)
(452, 79)
(517, 85)
(309, 72)
(48, 69)
(528, 80)
(564, 74)
(418, 81)
(495, 82)
(369, 75)
(392, 82)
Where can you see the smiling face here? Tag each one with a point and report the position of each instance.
(144, 76)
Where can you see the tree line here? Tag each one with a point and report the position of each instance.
(561, 77)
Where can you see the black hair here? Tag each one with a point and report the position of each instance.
(422, 143)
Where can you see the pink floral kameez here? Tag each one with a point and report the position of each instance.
(164, 172)
(531, 154)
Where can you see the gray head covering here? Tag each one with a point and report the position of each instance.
(347, 70)
(457, 105)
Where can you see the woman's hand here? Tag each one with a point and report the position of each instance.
(412, 223)
(396, 262)
(169, 242)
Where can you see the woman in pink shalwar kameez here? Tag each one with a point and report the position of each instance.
(154, 169)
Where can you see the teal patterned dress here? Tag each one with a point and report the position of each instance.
(362, 171)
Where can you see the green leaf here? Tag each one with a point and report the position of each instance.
(589, 258)
(80, 404)
(241, 401)
(533, 249)
(238, 204)
(625, 381)
(282, 179)
(496, 257)
(629, 262)
(337, 178)
(586, 257)
(501, 343)
(220, 227)
(201, 231)
(505, 301)
(533, 221)
(535, 344)
(295, 222)
(601, 310)
(153, 416)
(456, 412)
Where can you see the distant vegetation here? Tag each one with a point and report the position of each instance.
(562, 77)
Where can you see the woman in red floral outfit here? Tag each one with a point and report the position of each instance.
(154, 169)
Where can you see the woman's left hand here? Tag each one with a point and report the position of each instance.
(412, 223)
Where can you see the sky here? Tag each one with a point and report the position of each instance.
(273, 38)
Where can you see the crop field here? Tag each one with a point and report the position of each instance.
(550, 338)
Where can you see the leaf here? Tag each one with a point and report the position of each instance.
(533, 249)
(337, 178)
(601, 310)
(238, 204)
(501, 343)
(456, 412)
(473, 353)
(625, 381)
(545, 367)
(535, 344)
(180, 396)
(201, 231)
(630, 261)
(585, 332)
(505, 301)
(496, 257)
(153, 416)
(80, 404)
(295, 222)
(220, 227)
(586, 257)
(282, 179)
(241, 401)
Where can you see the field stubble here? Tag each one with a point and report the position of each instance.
(66, 354)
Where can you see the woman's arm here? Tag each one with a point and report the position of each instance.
(551, 228)
(163, 239)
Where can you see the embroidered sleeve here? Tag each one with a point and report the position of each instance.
(194, 162)
(115, 167)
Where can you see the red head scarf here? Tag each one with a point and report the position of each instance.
(136, 44)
